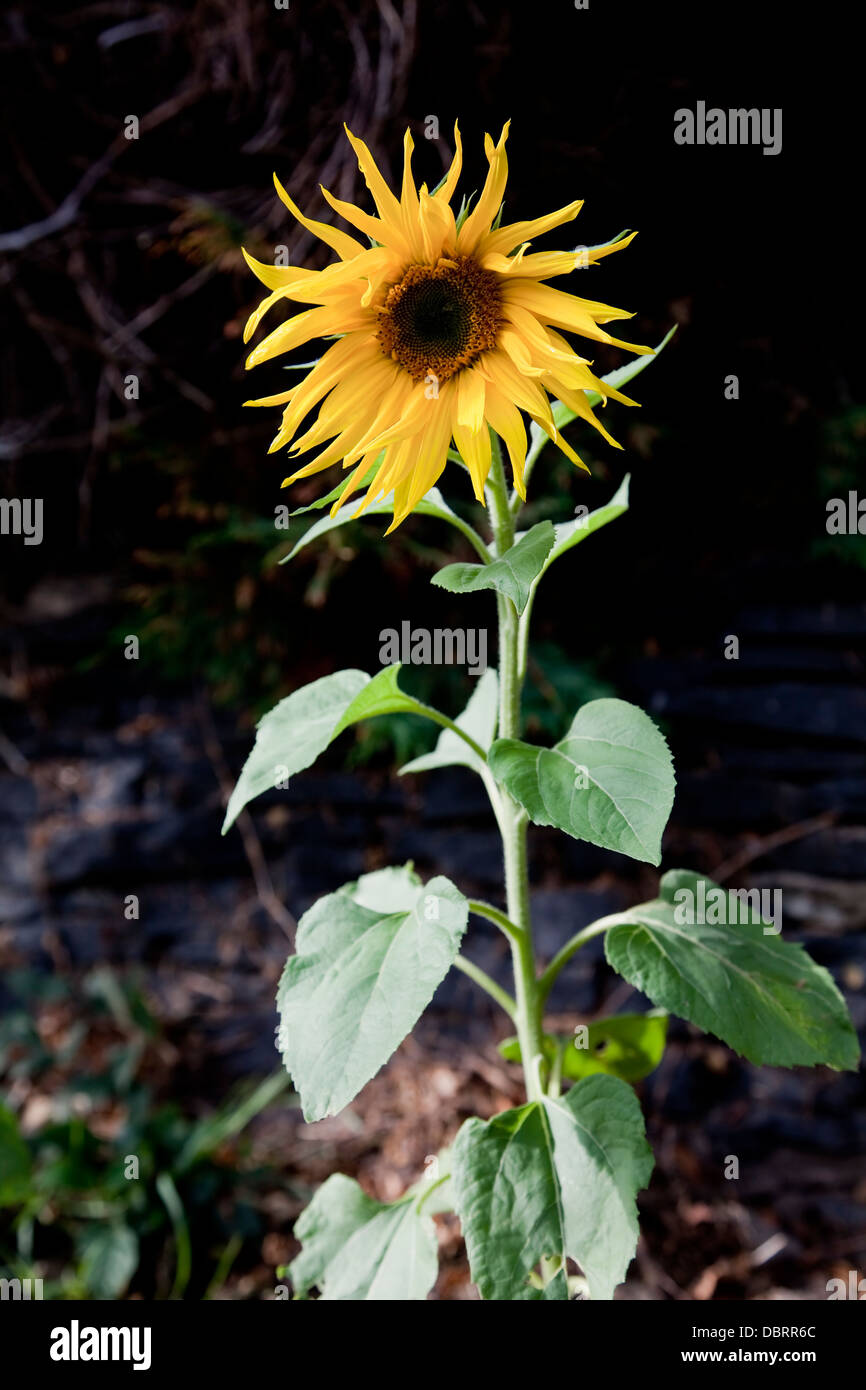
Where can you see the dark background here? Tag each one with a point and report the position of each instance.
(122, 257)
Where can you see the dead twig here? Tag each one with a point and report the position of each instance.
(265, 890)
(767, 843)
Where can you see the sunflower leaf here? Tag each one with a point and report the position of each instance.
(357, 1249)
(335, 492)
(577, 1164)
(763, 996)
(629, 1046)
(369, 959)
(291, 736)
(617, 378)
(568, 534)
(610, 781)
(478, 720)
(512, 573)
(433, 504)
(465, 207)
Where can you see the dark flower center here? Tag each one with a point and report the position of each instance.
(440, 318)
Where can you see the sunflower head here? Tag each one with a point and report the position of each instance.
(445, 330)
(440, 318)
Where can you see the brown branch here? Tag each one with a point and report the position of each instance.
(767, 843)
(265, 890)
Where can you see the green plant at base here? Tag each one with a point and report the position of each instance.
(153, 1207)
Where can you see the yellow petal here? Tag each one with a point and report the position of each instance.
(279, 399)
(477, 224)
(564, 311)
(313, 323)
(351, 353)
(597, 253)
(353, 482)
(543, 265)
(387, 205)
(273, 276)
(438, 228)
(524, 391)
(394, 468)
(474, 449)
(345, 246)
(504, 239)
(506, 420)
(576, 401)
(386, 233)
(470, 399)
(518, 351)
(427, 456)
(446, 191)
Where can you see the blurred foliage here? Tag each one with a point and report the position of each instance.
(840, 472)
(555, 688)
(105, 1189)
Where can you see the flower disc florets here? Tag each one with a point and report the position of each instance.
(440, 318)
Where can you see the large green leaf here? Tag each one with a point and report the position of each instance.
(763, 996)
(629, 1046)
(555, 1178)
(610, 781)
(382, 696)
(478, 720)
(355, 1248)
(292, 735)
(369, 959)
(511, 574)
(433, 504)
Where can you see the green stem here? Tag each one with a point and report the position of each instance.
(565, 953)
(494, 915)
(483, 980)
(226, 1260)
(444, 722)
(472, 536)
(512, 818)
(523, 634)
(555, 1083)
(430, 1189)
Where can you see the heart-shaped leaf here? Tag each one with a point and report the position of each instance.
(369, 959)
(511, 574)
(706, 954)
(292, 735)
(356, 1249)
(610, 781)
(555, 1178)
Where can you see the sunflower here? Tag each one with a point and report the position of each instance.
(444, 329)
